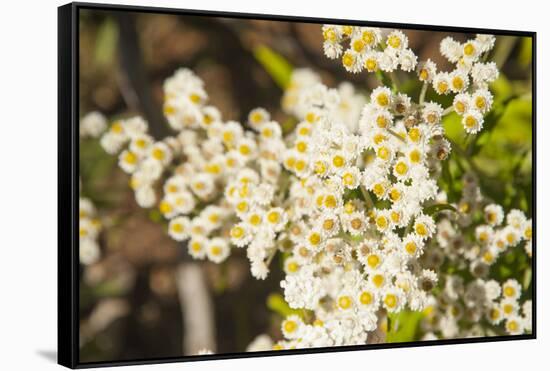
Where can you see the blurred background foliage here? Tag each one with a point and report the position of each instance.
(129, 305)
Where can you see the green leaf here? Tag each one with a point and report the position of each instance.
(527, 278)
(525, 51)
(275, 64)
(106, 43)
(277, 304)
(403, 326)
(434, 209)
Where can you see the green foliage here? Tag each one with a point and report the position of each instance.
(277, 304)
(106, 44)
(403, 326)
(275, 65)
(436, 208)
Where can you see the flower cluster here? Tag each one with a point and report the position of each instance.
(356, 219)
(348, 198)
(469, 80)
(89, 228)
(92, 125)
(469, 296)
(306, 90)
(370, 49)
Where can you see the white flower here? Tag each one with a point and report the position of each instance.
(197, 246)
(494, 214)
(217, 250)
(145, 196)
(472, 121)
(482, 100)
(89, 252)
(92, 125)
(260, 343)
(407, 60)
(426, 70)
(397, 40)
(484, 73)
(179, 227)
(450, 49)
(511, 289)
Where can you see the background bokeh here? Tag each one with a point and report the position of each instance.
(130, 306)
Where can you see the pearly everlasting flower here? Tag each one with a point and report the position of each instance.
(92, 125)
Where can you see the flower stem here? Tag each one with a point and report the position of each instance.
(423, 92)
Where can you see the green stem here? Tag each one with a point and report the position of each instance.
(367, 197)
(423, 93)
(396, 135)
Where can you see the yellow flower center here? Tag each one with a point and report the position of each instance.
(424, 75)
(130, 158)
(196, 246)
(379, 138)
(255, 219)
(365, 298)
(356, 223)
(329, 35)
(421, 229)
(458, 83)
(165, 207)
(371, 65)
(414, 134)
(300, 165)
(216, 250)
(274, 217)
(395, 194)
(177, 227)
(368, 37)
(348, 60)
(442, 87)
(381, 122)
(358, 45)
(117, 127)
(460, 107)
(338, 161)
(328, 224)
(379, 189)
(383, 153)
(242, 206)
(378, 280)
(410, 247)
(349, 179)
(244, 149)
(237, 232)
(383, 99)
(382, 222)
(401, 168)
(344, 302)
(301, 147)
(158, 154)
(293, 267)
(373, 260)
(470, 121)
(394, 41)
(290, 326)
(469, 49)
(415, 156)
(480, 103)
(330, 201)
(395, 216)
(314, 239)
(509, 291)
(390, 300)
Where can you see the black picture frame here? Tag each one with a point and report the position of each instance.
(68, 194)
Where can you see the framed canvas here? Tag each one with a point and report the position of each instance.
(240, 185)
